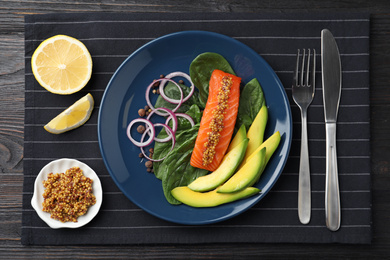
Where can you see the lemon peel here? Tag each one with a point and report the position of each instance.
(72, 117)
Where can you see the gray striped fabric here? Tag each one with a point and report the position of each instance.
(276, 37)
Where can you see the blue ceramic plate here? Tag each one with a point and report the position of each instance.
(125, 94)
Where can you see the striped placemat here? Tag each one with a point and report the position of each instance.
(110, 38)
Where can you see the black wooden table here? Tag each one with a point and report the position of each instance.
(12, 118)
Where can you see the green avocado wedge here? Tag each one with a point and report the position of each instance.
(271, 144)
(210, 198)
(256, 130)
(256, 133)
(238, 138)
(246, 175)
(226, 169)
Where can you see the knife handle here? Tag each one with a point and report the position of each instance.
(332, 193)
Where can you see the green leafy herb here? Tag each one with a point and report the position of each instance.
(175, 170)
(173, 92)
(161, 149)
(251, 100)
(201, 69)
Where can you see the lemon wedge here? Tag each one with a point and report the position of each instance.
(72, 117)
(62, 64)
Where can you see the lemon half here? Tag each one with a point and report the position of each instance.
(62, 65)
(72, 117)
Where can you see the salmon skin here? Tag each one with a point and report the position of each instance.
(218, 120)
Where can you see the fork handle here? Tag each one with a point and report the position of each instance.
(332, 193)
(304, 191)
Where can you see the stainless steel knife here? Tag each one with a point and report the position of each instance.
(331, 86)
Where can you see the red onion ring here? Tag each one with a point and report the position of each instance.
(170, 133)
(189, 118)
(150, 127)
(172, 75)
(150, 103)
(171, 114)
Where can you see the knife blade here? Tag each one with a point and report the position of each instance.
(331, 86)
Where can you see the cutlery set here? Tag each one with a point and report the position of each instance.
(303, 90)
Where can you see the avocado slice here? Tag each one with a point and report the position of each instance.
(245, 176)
(256, 133)
(256, 130)
(238, 138)
(226, 169)
(210, 198)
(271, 143)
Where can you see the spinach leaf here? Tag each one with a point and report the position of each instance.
(161, 149)
(195, 113)
(251, 100)
(201, 69)
(173, 92)
(176, 170)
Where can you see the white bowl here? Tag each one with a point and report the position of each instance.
(59, 166)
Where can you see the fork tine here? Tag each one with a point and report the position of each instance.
(314, 69)
(295, 79)
(308, 68)
(303, 67)
(303, 75)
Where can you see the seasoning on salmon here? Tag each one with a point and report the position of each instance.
(218, 120)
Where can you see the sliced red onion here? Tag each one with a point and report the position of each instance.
(172, 75)
(149, 126)
(150, 103)
(172, 136)
(189, 118)
(170, 113)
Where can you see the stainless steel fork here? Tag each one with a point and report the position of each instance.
(303, 89)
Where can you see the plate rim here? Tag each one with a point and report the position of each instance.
(224, 37)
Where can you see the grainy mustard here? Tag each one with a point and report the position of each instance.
(68, 195)
(216, 123)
